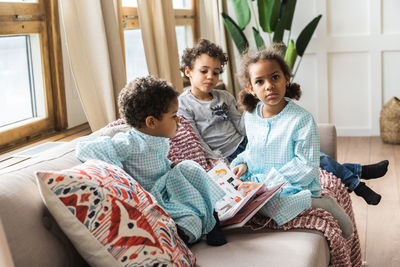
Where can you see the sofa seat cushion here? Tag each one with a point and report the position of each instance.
(110, 218)
(267, 248)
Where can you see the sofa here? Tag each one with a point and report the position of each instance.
(35, 239)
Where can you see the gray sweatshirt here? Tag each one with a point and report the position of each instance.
(217, 122)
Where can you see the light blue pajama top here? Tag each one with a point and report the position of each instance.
(185, 192)
(283, 148)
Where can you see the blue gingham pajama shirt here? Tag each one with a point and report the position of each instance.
(285, 147)
(185, 192)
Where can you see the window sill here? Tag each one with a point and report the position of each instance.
(8, 159)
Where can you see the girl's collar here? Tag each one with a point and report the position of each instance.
(283, 111)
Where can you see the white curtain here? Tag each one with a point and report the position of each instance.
(216, 32)
(95, 55)
(157, 22)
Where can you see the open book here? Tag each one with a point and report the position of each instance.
(235, 209)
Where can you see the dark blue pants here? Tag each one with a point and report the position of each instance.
(349, 173)
(240, 149)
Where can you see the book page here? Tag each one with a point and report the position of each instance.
(251, 207)
(234, 200)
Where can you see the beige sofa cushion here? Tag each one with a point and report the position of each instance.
(266, 248)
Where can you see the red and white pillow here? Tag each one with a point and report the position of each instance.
(110, 218)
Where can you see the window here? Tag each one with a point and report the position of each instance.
(186, 23)
(135, 59)
(28, 86)
(186, 33)
(136, 65)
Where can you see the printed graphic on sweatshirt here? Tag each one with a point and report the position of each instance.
(219, 113)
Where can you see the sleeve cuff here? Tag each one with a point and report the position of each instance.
(274, 177)
(236, 162)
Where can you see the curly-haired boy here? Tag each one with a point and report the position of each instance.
(183, 190)
(212, 113)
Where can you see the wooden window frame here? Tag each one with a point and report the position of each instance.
(38, 18)
(128, 19)
(189, 17)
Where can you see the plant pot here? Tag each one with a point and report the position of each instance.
(390, 121)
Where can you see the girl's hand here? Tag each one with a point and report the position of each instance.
(248, 187)
(239, 170)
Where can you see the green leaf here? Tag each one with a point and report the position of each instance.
(274, 13)
(259, 40)
(236, 33)
(291, 54)
(262, 15)
(279, 30)
(268, 14)
(306, 35)
(288, 14)
(242, 12)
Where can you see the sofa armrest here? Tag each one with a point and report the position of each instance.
(327, 135)
(5, 254)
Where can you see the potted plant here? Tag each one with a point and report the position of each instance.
(274, 18)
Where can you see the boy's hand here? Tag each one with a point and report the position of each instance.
(175, 163)
(239, 170)
(248, 187)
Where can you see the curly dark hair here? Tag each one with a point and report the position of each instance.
(247, 100)
(143, 97)
(203, 46)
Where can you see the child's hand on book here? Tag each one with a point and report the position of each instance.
(247, 187)
(239, 170)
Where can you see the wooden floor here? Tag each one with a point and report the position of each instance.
(378, 226)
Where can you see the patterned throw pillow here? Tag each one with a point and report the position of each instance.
(110, 218)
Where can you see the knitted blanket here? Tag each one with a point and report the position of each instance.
(186, 145)
(343, 252)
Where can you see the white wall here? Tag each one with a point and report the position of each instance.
(349, 70)
(355, 53)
